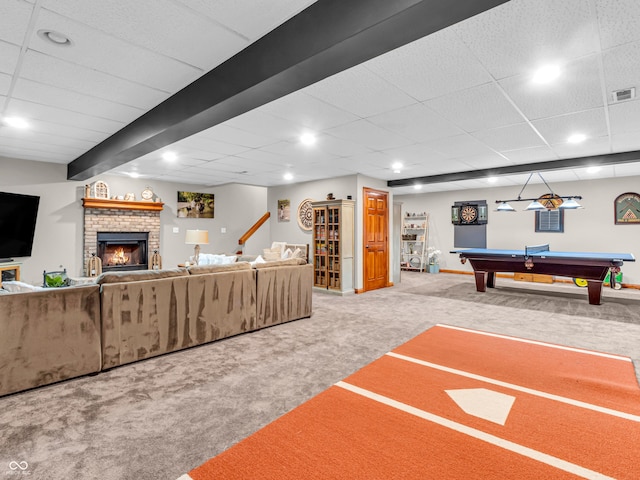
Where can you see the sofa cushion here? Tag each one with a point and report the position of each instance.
(281, 263)
(204, 269)
(139, 275)
(216, 259)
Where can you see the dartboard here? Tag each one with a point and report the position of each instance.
(305, 214)
(469, 213)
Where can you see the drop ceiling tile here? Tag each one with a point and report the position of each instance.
(578, 88)
(488, 160)
(161, 26)
(622, 68)
(9, 55)
(240, 164)
(308, 111)
(203, 143)
(5, 82)
(360, 91)
(265, 125)
(430, 67)
(530, 155)
(14, 20)
(370, 135)
(591, 146)
(519, 36)
(619, 21)
(477, 108)
(339, 147)
(510, 138)
(296, 153)
(115, 56)
(73, 133)
(26, 143)
(591, 123)
(627, 170)
(416, 122)
(50, 71)
(626, 141)
(606, 171)
(265, 157)
(228, 134)
(459, 146)
(33, 136)
(417, 153)
(38, 156)
(77, 102)
(34, 111)
(250, 18)
(625, 117)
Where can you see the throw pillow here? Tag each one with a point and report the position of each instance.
(287, 254)
(271, 254)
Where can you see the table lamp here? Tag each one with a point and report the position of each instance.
(197, 238)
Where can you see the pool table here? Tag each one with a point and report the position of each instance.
(539, 259)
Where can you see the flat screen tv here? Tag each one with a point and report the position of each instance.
(18, 215)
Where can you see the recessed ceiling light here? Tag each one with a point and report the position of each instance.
(492, 179)
(546, 74)
(55, 38)
(308, 139)
(288, 176)
(417, 186)
(134, 174)
(169, 156)
(15, 122)
(593, 169)
(577, 138)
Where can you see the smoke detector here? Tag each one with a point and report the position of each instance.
(624, 94)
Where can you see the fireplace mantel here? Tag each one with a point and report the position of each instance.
(121, 204)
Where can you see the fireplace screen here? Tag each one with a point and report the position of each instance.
(123, 250)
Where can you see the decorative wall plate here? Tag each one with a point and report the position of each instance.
(305, 214)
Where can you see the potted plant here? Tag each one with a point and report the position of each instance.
(432, 256)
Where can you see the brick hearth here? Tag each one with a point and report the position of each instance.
(114, 216)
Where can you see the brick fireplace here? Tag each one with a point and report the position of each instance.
(120, 217)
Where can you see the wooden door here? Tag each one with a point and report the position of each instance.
(376, 239)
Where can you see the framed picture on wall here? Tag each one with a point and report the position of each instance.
(195, 205)
(627, 208)
(284, 210)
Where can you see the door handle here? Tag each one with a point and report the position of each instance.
(366, 246)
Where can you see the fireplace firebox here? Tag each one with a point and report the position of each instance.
(123, 251)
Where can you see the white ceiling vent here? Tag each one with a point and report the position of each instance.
(624, 94)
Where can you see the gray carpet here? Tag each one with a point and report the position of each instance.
(159, 418)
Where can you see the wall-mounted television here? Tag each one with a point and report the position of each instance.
(18, 215)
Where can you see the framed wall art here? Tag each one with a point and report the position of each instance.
(627, 208)
(284, 210)
(195, 205)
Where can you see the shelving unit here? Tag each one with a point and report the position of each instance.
(415, 235)
(333, 249)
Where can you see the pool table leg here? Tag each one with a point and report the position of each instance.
(594, 288)
(491, 279)
(481, 281)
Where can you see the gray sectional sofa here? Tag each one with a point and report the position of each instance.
(56, 334)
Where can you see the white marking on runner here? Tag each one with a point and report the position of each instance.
(483, 403)
(478, 434)
(519, 388)
(535, 342)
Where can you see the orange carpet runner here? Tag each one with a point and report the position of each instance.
(455, 403)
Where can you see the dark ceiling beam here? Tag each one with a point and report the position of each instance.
(580, 162)
(328, 37)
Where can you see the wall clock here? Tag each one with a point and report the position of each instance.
(305, 214)
(468, 213)
(627, 208)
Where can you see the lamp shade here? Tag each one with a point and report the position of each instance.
(505, 207)
(570, 204)
(536, 205)
(197, 237)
